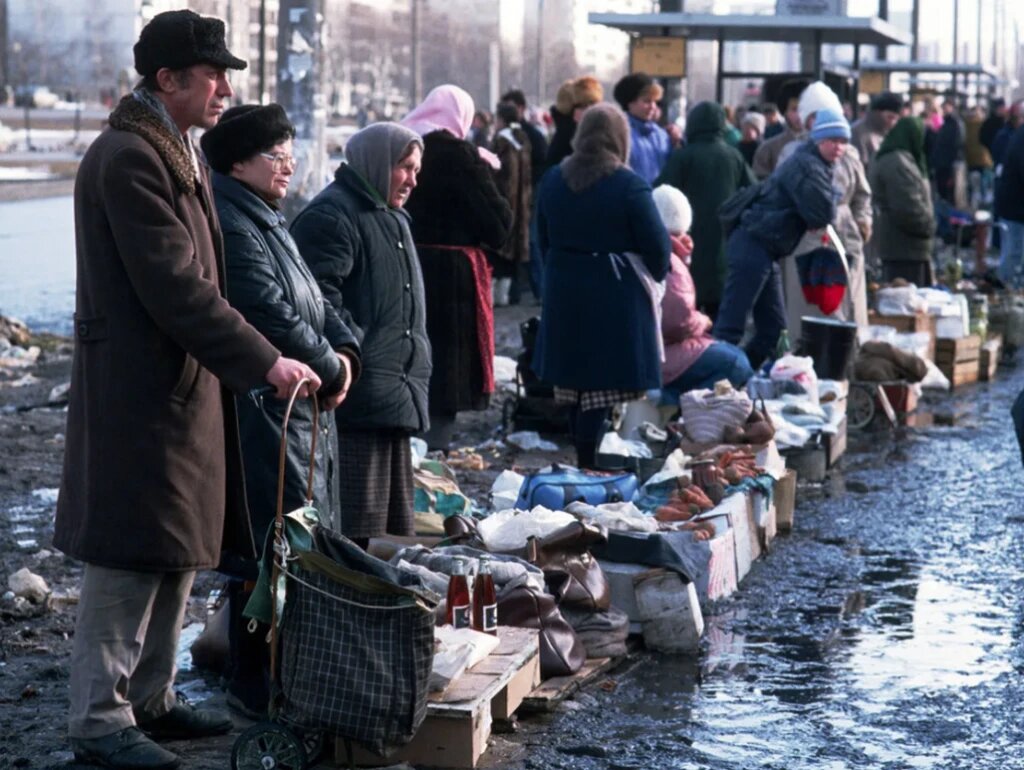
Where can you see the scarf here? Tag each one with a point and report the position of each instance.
(906, 135)
(447, 108)
(600, 147)
(373, 152)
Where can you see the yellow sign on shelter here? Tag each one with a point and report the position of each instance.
(663, 57)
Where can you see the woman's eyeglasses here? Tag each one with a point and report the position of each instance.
(280, 161)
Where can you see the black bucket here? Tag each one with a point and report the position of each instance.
(830, 344)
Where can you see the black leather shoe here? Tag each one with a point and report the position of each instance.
(127, 749)
(186, 721)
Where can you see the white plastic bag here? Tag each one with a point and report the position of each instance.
(900, 300)
(530, 439)
(798, 369)
(509, 530)
(624, 517)
(613, 444)
(505, 490)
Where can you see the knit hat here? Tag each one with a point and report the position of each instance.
(179, 39)
(586, 91)
(563, 99)
(755, 119)
(830, 124)
(635, 86)
(674, 208)
(244, 131)
(817, 96)
(886, 102)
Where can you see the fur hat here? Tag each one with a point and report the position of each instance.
(830, 124)
(886, 102)
(244, 131)
(179, 39)
(634, 86)
(674, 208)
(586, 90)
(563, 99)
(817, 96)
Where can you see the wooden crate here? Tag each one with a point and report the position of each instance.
(957, 351)
(921, 322)
(552, 692)
(458, 723)
(988, 360)
(959, 359)
(785, 501)
(964, 373)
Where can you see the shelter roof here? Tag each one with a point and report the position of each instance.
(758, 28)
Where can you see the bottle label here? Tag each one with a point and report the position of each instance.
(461, 616)
(490, 618)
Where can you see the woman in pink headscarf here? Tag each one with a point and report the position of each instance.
(457, 212)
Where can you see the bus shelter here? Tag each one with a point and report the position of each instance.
(810, 32)
(877, 76)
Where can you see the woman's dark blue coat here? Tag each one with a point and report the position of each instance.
(597, 329)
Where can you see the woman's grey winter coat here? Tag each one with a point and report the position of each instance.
(902, 197)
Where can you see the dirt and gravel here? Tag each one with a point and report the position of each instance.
(35, 642)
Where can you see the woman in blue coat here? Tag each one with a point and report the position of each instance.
(598, 338)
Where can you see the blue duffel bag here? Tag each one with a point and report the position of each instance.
(561, 485)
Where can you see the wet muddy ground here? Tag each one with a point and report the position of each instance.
(886, 632)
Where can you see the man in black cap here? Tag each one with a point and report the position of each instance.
(868, 132)
(152, 488)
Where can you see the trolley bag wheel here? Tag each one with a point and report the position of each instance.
(860, 406)
(269, 746)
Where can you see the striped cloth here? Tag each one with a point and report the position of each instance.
(376, 480)
(595, 399)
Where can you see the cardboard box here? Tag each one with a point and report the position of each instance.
(785, 501)
(988, 360)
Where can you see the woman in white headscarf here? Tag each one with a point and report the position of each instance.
(355, 238)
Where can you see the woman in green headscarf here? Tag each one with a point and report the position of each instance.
(905, 226)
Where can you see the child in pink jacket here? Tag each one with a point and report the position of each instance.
(693, 358)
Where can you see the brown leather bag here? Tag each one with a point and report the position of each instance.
(572, 574)
(561, 651)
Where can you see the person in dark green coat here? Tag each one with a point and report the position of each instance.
(707, 170)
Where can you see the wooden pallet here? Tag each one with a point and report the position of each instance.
(457, 728)
(554, 691)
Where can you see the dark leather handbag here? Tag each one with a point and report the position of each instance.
(561, 651)
(572, 573)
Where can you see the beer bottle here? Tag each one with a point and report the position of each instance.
(457, 613)
(485, 601)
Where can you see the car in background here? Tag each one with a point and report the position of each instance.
(39, 97)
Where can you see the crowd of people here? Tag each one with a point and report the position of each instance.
(378, 298)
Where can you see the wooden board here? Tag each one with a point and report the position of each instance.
(921, 322)
(553, 691)
(458, 723)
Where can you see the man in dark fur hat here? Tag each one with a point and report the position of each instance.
(152, 488)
